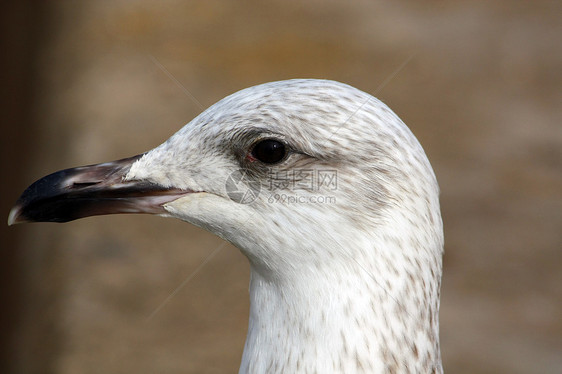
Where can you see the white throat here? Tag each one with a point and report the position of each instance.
(375, 311)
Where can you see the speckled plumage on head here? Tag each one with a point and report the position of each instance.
(345, 276)
(350, 286)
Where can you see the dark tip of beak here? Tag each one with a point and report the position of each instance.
(92, 190)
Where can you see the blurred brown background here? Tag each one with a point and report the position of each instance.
(82, 83)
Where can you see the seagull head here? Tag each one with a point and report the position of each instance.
(298, 164)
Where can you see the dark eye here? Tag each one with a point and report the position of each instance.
(269, 151)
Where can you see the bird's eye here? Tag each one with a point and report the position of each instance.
(269, 151)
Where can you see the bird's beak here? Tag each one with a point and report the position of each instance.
(89, 191)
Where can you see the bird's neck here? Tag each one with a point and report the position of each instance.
(366, 315)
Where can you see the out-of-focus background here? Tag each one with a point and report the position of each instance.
(479, 83)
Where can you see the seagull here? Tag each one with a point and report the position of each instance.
(325, 191)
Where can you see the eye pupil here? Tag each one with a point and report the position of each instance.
(269, 151)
